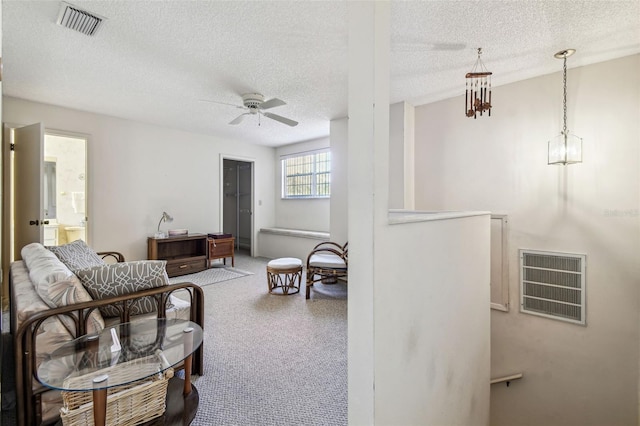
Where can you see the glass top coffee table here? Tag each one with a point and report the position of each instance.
(126, 354)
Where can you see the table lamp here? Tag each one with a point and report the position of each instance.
(165, 218)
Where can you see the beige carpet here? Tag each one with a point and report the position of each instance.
(272, 360)
(269, 360)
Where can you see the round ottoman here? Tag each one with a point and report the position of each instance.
(284, 275)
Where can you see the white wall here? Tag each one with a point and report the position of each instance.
(306, 214)
(573, 375)
(136, 171)
(418, 292)
(432, 329)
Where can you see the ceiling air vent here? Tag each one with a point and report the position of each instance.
(80, 20)
(553, 285)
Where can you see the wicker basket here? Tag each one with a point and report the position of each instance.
(129, 404)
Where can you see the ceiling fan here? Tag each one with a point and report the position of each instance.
(254, 104)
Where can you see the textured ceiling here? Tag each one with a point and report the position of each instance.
(155, 61)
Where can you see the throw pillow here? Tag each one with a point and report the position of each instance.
(57, 286)
(77, 255)
(124, 278)
(42, 264)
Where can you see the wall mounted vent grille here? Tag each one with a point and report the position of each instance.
(553, 285)
(80, 20)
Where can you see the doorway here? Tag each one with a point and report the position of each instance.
(237, 202)
(44, 187)
(65, 200)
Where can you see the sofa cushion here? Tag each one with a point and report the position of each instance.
(57, 286)
(124, 278)
(77, 255)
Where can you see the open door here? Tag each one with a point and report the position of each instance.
(28, 208)
(237, 202)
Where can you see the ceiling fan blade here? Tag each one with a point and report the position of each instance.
(239, 118)
(281, 119)
(421, 46)
(272, 103)
(221, 103)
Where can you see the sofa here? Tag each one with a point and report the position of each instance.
(60, 293)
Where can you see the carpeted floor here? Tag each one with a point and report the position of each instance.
(271, 360)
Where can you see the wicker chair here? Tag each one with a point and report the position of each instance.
(327, 262)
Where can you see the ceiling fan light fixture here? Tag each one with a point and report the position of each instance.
(252, 100)
(254, 103)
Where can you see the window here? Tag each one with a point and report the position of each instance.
(307, 175)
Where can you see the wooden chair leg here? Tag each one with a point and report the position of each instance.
(309, 284)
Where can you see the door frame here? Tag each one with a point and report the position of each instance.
(253, 193)
(7, 190)
(87, 192)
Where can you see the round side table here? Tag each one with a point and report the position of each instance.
(284, 276)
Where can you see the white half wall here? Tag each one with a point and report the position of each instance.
(432, 329)
(275, 243)
(573, 375)
(136, 171)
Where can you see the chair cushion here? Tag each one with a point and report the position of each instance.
(285, 263)
(124, 278)
(77, 255)
(57, 286)
(327, 260)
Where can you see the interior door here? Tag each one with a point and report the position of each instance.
(237, 202)
(28, 210)
(245, 199)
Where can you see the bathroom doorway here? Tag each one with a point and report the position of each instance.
(65, 188)
(237, 202)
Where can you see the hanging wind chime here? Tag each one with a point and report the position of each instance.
(477, 98)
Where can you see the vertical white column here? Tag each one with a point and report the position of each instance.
(401, 156)
(409, 156)
(339, 192)
(368, 172)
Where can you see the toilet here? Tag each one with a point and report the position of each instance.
(75, 233)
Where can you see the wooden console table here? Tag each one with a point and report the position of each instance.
(185, 254)
(221, 248)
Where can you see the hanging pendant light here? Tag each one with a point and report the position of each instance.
(565, 148)
(478, 90)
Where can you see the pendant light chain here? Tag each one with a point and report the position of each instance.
(565, 149)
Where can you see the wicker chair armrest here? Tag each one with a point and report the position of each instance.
(320, 249)
(328, 243)
(117, 256)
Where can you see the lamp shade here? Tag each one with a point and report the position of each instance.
(165, 218)
(565, 149)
